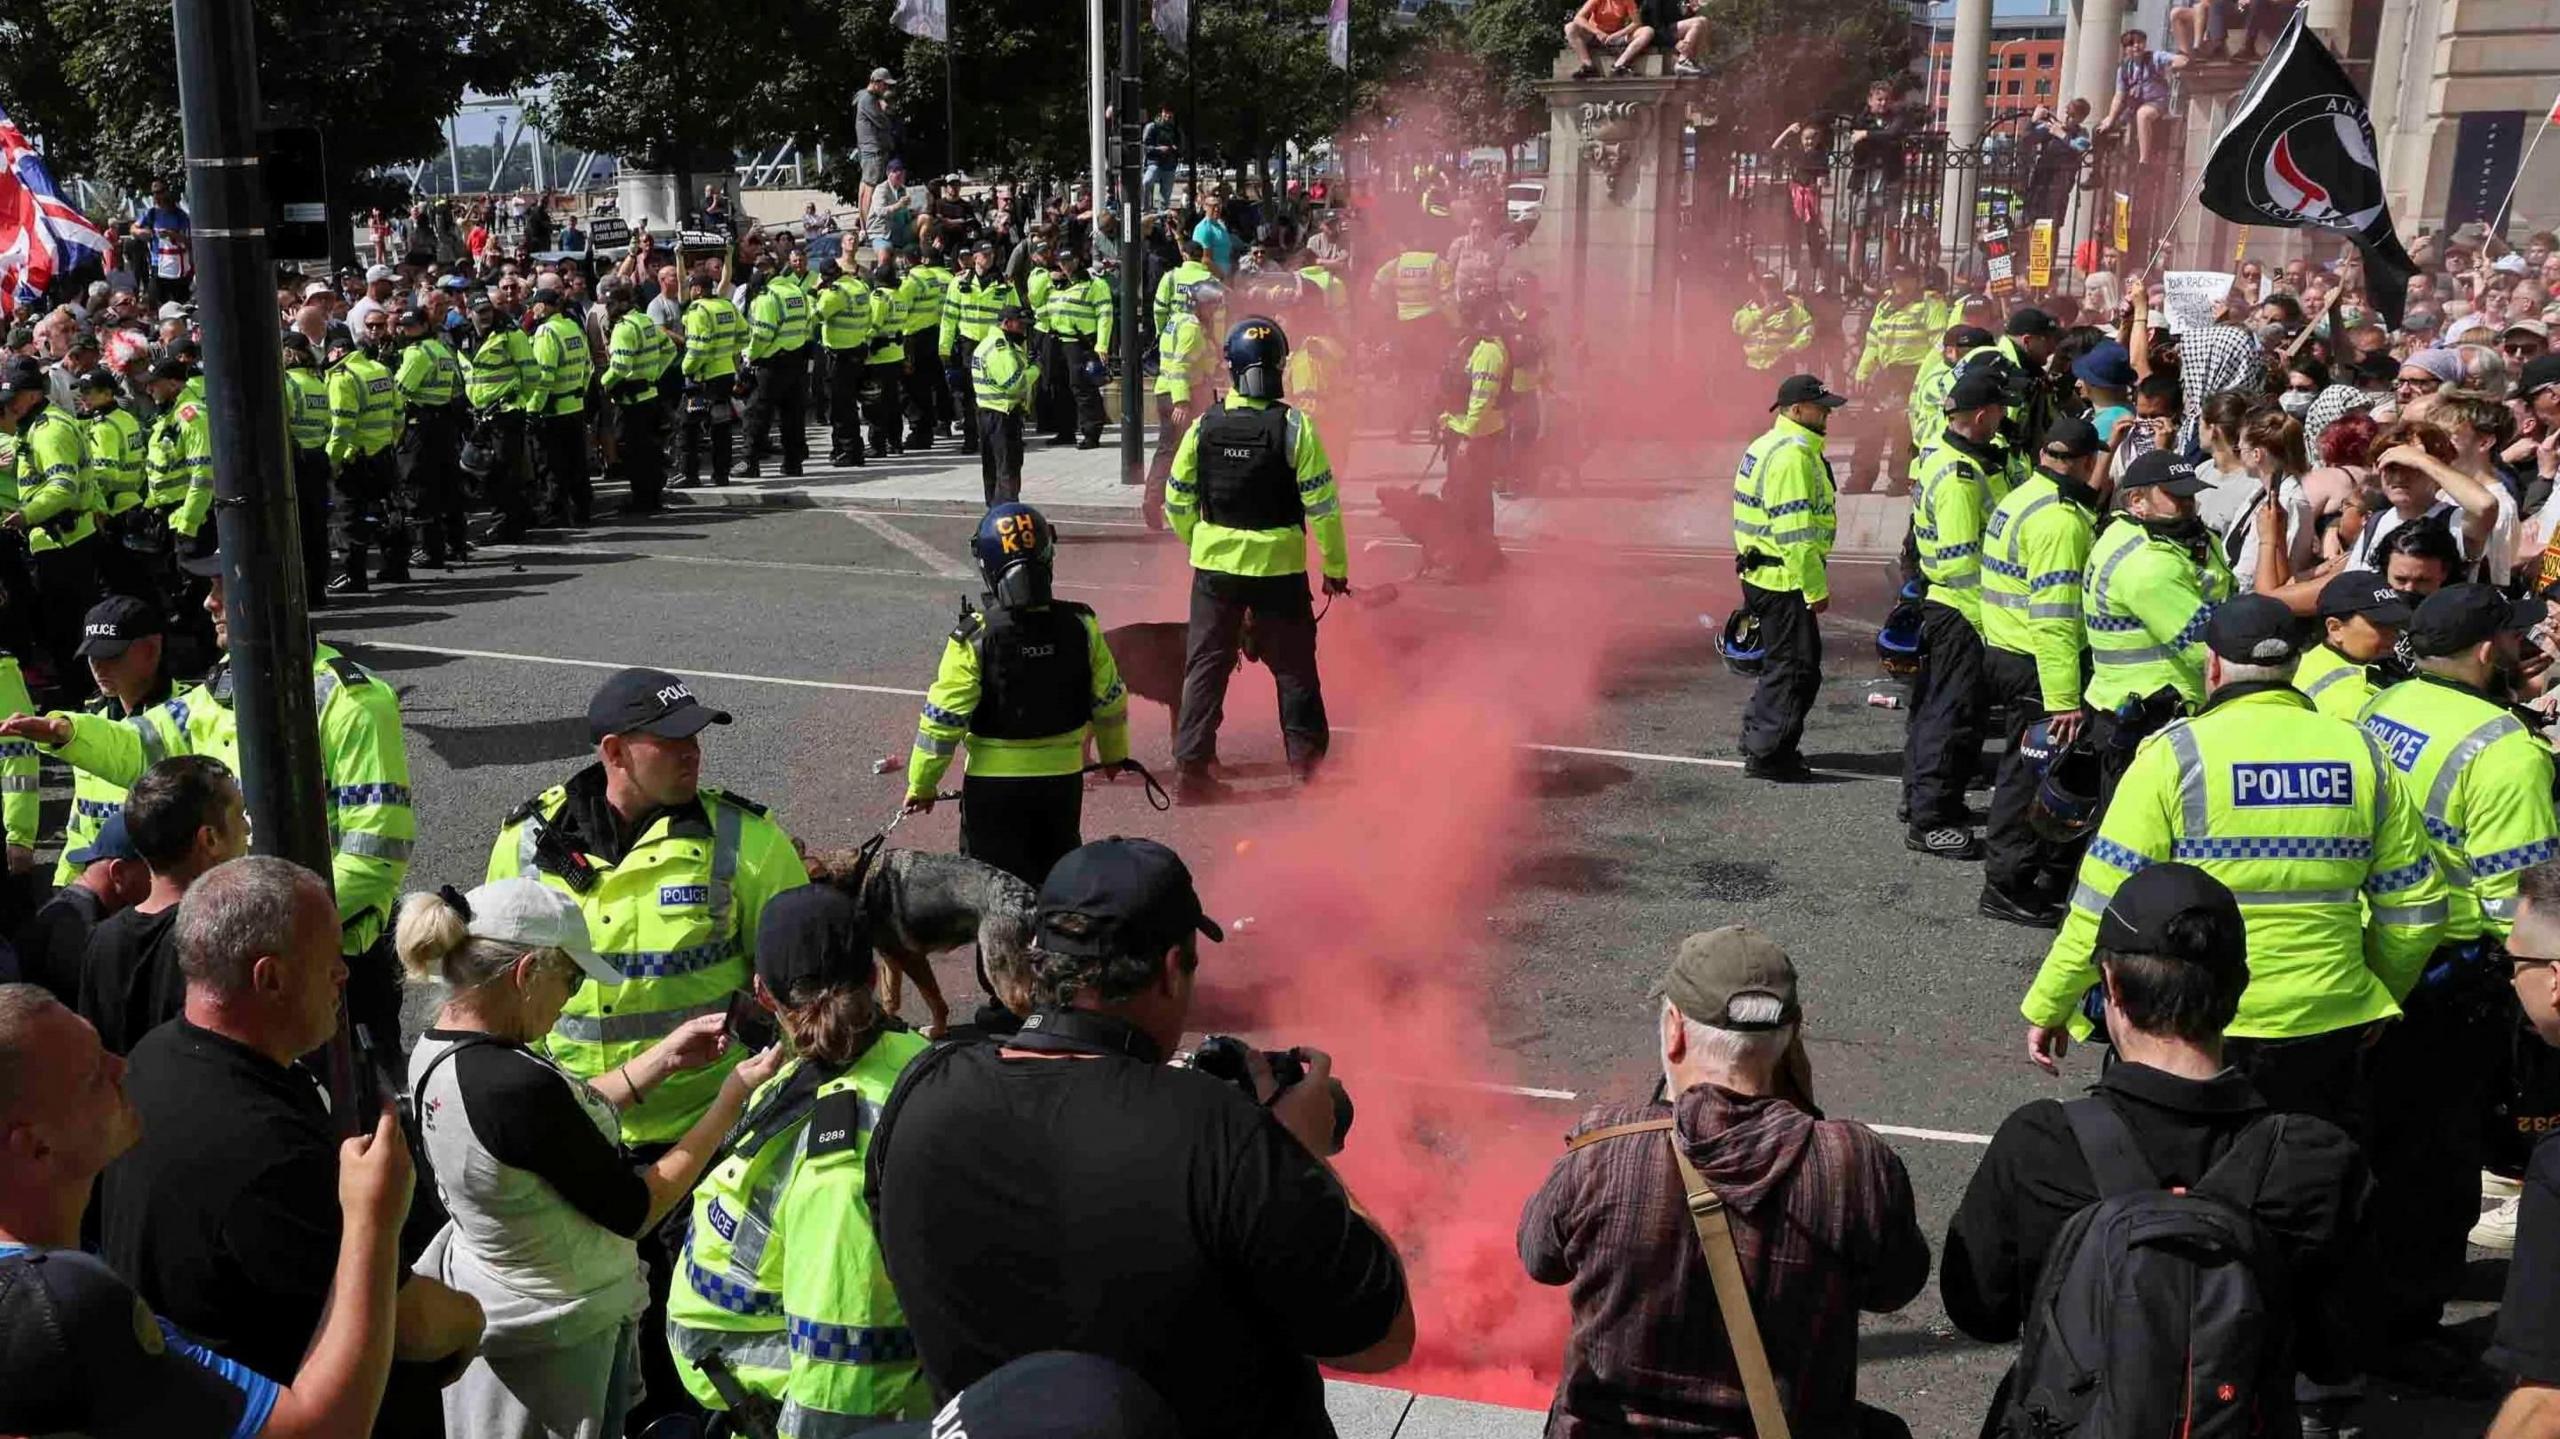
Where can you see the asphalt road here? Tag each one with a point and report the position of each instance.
(1536, 795)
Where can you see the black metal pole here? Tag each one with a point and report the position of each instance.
(265, 608)
(1133, 260)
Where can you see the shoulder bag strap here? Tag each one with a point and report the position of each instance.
(1724, 1267)
(2106, 1142)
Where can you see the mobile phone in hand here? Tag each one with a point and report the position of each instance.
(747, 1024)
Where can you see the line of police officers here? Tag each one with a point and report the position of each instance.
(2369, 793)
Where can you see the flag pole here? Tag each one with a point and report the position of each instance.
(2160, 247)
(2498, 226)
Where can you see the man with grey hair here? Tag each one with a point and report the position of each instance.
(1821, 1211)
(225, 1217)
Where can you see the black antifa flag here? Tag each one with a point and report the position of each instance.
(2298, 151)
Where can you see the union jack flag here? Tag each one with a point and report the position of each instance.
(41, 234)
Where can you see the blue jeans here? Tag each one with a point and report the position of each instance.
(1157, 182)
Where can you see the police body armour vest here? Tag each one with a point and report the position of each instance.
(1248, 478)
(1035, 672)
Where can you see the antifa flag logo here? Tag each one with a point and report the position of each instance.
(2315, 167)
(2298, 153)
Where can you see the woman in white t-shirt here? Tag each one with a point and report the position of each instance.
(528, 1160)
(2270, 454)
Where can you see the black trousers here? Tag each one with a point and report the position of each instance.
(964, 395)
(2427, 1091)
(66, 586)
(1475, 465)
(846, 371)
(1773, 722)
(563, 439)
(883, 380)
(813, 388)
(511, 485)
(1282, 609)
(1057, 387)
(1021, 826)
(1943, 742)
(781, 394)
(1086, 392)
(999, 453)
(928, 395)
(367, 510)
(1171, 422)
(717, 422)
(644, 453)
(431, 480)
(311, 503)
(2015, 860)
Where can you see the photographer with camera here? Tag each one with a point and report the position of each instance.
(1069, 1189)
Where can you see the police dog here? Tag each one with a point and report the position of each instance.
(918, 904)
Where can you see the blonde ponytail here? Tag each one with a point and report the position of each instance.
(434, 942)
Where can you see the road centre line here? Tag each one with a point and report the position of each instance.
(935, 560)
(1899, 1131)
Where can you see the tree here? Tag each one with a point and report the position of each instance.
(1263, 77)
(1775, 61)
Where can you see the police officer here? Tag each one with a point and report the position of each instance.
(564, 363)
(56, 514)
(1784, 519)
(2035, 553)
(714, 331)
(2478, 777)
(931, 410)
(1021, 685)
(306, 408)
(1002, 377)
(2362, 618)
(1479, 449)
(1417, 282)
(969, 317)
(505, 394)
(124, 641)
(781, 1277)
(777, 331)
(674, 877)
(1773, 325)
(2154, 577)
(364, 774)
(885, 369)
(638, 355)
(1173, 287)
(1926, 411)
(1080, 319)
(430, 387)
(1902, 330)
(845, 332)
(2293, 811)
(364, 423)
(114, 438)
(1186, 367)
(1250, 480)
(1964, 478)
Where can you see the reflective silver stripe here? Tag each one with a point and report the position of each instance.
(801, 1422)
(2249, 897)
(2382, 787)
(2053, 612)
(2465, 750)
(2325, 681)
(528, 843)
(1959, 582)
(936, 745)
(2107, 572)
(2432, 912)
(2139, 655)
(324, 686)
(755, 1227)
(2086, 896)
(20, 784)
(375, 846)
(725, 828)
(2501, 909)
(1740, 528)
(2003, 600)
(742, 1350)
(630, 1028)
(154, 749)
(2191, 796)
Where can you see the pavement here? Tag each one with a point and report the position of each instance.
(1534, 793)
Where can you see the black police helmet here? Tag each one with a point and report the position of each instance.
(1257, 350)
(1015, 547)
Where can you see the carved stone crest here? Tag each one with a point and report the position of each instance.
(1611, 131)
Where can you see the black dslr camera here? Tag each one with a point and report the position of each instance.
(1224, 1056)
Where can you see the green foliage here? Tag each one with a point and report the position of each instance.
(1777, 61)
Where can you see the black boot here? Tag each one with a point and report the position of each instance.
(351, 577)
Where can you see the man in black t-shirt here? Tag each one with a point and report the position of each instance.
(184, 815)
(1070, 1190)
(112, 879)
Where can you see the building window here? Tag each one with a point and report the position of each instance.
(2044, 87)
(2044, 62)
(2017, 62)
(2013, 87)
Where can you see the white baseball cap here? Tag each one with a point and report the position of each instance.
(380, 272)
(533, 914)
(316, 289)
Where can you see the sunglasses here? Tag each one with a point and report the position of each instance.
(2405, 383)
(2528, 347)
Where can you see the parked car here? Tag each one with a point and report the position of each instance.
(1523, 199)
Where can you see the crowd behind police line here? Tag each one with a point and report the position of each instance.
(2323, 682)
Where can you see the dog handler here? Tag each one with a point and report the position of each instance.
(673, 877)
(1021, 684)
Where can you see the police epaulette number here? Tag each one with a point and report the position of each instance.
(838, 1122)
(349, 673)
(732, 797)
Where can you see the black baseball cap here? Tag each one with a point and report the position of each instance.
(171, 368)
(1053, 1395)
(2540, 373)
(1012, 312)
(2137, 919)
(2071, 437)
(651, 701)
(2252, 630)
(1968, 337)
(2167, 471)
(70, 1316)
(1806, 390)
(201, 556)
(812, 937)
(2029, 320)
(2362, 592)
(2455, 618)
(1979, 386)
(23, 378)
(1134, 895)
(114, 623)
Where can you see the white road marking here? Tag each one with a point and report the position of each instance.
(820, 567)
(935, 560)
(1943, 1136)
(458, 653)
(1899, 1131)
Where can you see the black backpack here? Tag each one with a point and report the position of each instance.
(2160, 1311)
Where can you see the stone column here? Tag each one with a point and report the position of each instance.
(1968, 66)
(2092, 55)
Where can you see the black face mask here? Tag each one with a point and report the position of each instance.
(2183, 528)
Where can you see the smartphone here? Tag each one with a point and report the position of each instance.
(747, 1024)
